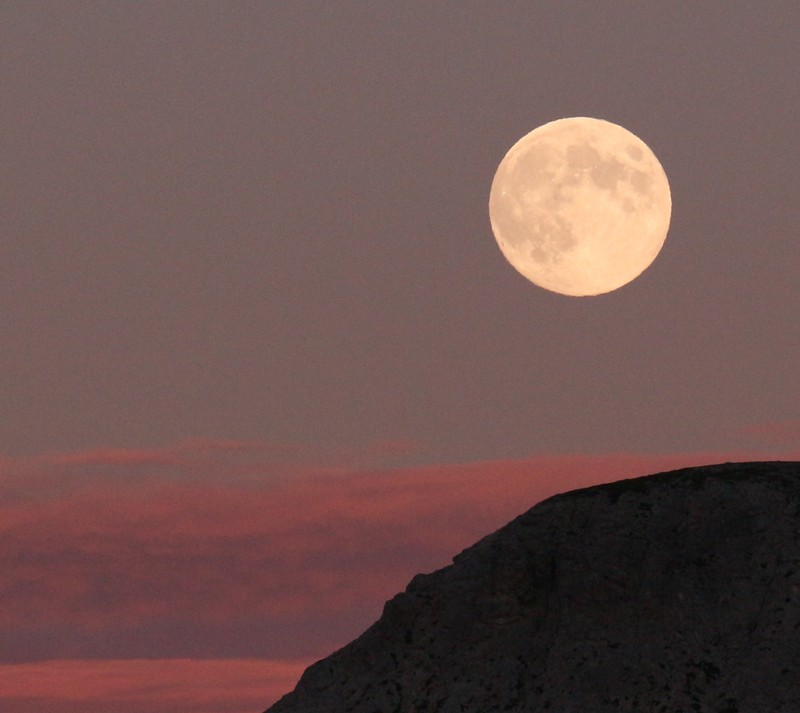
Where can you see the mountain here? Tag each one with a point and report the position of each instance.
(671, 593)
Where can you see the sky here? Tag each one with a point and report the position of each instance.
(261, 359)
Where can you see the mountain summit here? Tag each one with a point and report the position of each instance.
(676, 592)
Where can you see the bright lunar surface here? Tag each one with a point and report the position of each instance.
(580, 206)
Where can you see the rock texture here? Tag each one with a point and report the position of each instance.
(676, 592)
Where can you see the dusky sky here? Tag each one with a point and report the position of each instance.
(262, 360)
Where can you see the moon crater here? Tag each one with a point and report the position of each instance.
(580, 206)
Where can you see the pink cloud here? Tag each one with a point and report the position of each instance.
(157, 686)
(782, 434)
(254, 550)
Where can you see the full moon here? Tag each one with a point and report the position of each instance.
(580, 206)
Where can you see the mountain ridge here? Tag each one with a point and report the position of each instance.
(670, 592)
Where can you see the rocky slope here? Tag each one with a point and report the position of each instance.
(676, 592)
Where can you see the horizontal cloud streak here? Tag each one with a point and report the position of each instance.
(777, 434)
(210, 550)
(157, 686)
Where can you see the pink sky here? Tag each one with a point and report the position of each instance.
(212, 572)
(134, 685)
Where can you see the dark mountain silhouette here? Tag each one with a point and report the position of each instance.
(677, 592)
